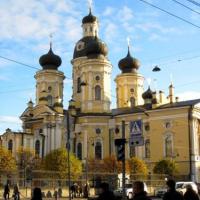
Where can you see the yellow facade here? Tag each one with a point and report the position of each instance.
(170, 129)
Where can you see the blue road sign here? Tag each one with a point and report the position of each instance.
(136, 141)
(135, 128)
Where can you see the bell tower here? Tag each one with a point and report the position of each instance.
(129, 83)
(91, 70)
(49, 82)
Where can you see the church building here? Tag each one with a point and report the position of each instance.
(156, 127)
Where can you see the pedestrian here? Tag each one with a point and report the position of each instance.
(190, 194)
(55, 194)
(172, 194)
(6, 192)
(72, 190)
(16, 193)
(37, 194)
(138, 191)
(59, 192)
(86, 190)
(105, 193)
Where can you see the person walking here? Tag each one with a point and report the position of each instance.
(106, 193)
(172, 194)
(190, 194)
(138, 191)
(16, 193)
(37, 194)
(6, 192)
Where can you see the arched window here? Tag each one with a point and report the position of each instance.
(132, 101)
(168, 146)
(147, 148)
(97, 92)
(78, 85)
(79, 151)
(50, 100)
(10, 145)
(37, 147)
(98, 151)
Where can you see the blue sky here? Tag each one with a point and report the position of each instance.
(156, 39)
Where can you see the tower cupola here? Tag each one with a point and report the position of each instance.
(96, 48)
(50, 60)
(129, 64)
(148, 96)
(90, 18)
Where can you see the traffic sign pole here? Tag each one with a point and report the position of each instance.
(123, 164)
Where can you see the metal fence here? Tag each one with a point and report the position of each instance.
(51, 182)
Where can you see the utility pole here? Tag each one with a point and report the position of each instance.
(120, 145)
(123, 164)
(68, 154)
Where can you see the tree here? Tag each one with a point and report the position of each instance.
(56, 161)
(110, 164)
(7, 162)
(165, 167)
(137, 166)
(25, 157)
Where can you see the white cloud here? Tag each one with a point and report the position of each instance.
(157, 37)
(125, 14)
(111, 32)
(108, 11)
(10, 119)
(36, 20)
(188, 95)
(68, 81)
(11, 122)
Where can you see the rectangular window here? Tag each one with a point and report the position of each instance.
(78, 85)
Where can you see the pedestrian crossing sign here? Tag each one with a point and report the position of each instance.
(136, 127)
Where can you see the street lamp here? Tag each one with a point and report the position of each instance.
(156, 69)
(70, 112)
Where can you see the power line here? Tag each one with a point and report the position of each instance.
(178, 60)
(172, 55)
(17, 90)
(169, 13)
(18, 62)
(194, 2)
(186, 6)
(24, 64)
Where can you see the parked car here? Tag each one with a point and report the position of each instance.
(128, 190)
(180, 187)
(159, 192)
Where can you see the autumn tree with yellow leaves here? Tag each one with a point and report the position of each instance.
(56, 161)
(7, 161)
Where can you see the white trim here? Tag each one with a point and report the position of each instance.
(153, 118)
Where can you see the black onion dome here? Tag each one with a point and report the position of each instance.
(50, 60)
(90, 18)
(129, 64)
(95, 48)
(148, 94)
(81, 45)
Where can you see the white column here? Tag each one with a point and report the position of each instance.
(85, 144)
(45, 141)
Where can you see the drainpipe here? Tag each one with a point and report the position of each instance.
(190, 140)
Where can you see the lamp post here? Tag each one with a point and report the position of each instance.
(86, 168)
(68, 154)
(71, 111)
